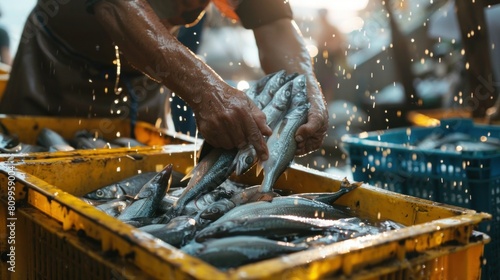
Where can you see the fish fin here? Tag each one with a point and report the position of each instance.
(188, 175)
(258, 168)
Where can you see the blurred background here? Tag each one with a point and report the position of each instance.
(377, 61)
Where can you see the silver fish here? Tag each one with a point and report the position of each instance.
(285, 205)
(269, 226)
(216, 175)
(299, 92)
(199, 204)
(9, 143)
(330, 198)
(436, 140)
(126, 187)
(114, 207)
(245, 159)
(176, 232)
(279, 105)
(53, 141)
(270, 89)
(127, 142)
(222, 206)
(282, 146)
(232, 252)
(256, 88)
(85, 140)
(149, 197)
(274, 112)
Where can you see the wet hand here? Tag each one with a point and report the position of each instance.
(310, 136)
(229, 119)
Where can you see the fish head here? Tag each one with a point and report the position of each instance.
(8, 142)
(283, 97)
(217, 209)
(109, 192)
(299, 91)
(276, 82)
(245, 159)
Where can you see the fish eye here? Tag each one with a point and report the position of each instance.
(248, 160)
(99, 193)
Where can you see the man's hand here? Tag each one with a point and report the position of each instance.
(281, 46)
(310, 136)
(229, 119)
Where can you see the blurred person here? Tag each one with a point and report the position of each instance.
(111, 58)
(331, 54)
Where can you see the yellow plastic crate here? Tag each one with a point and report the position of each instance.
(27, 129)
(58, 236)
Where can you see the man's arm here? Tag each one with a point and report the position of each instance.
(225, 116)
(281, 46)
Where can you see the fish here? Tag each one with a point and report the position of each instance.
(270, 89)
(9, 143)
(176, 232)
(114, 207)
(145, 221)
(299, 91)
(279, 105)
(256, 88)
(269, 226)
(198, 204)
(245, 159)
(93, 202)
(342, 229)
(218, 208)
(52, 140)
(27, 148)
(127, 142)
(458, 142)
(282, 147)
(284, 205)
(235, 251)
(436, 140)
(149, 197)
(126, 187)
(222, 168)
(390, 225)
(207, 156)
(274, 112)
(475, 146)
(330, 198)
(85, 140)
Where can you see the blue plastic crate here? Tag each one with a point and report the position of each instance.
(389, 159)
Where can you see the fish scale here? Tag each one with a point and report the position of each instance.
(216, 175)
(297, 206)
(149, 197)
(282, 146)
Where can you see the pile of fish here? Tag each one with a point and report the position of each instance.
(50, 141)
(228, 224)
(458, 142)
(227, 227)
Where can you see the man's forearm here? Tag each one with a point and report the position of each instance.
(148, 45)
(281, 46)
